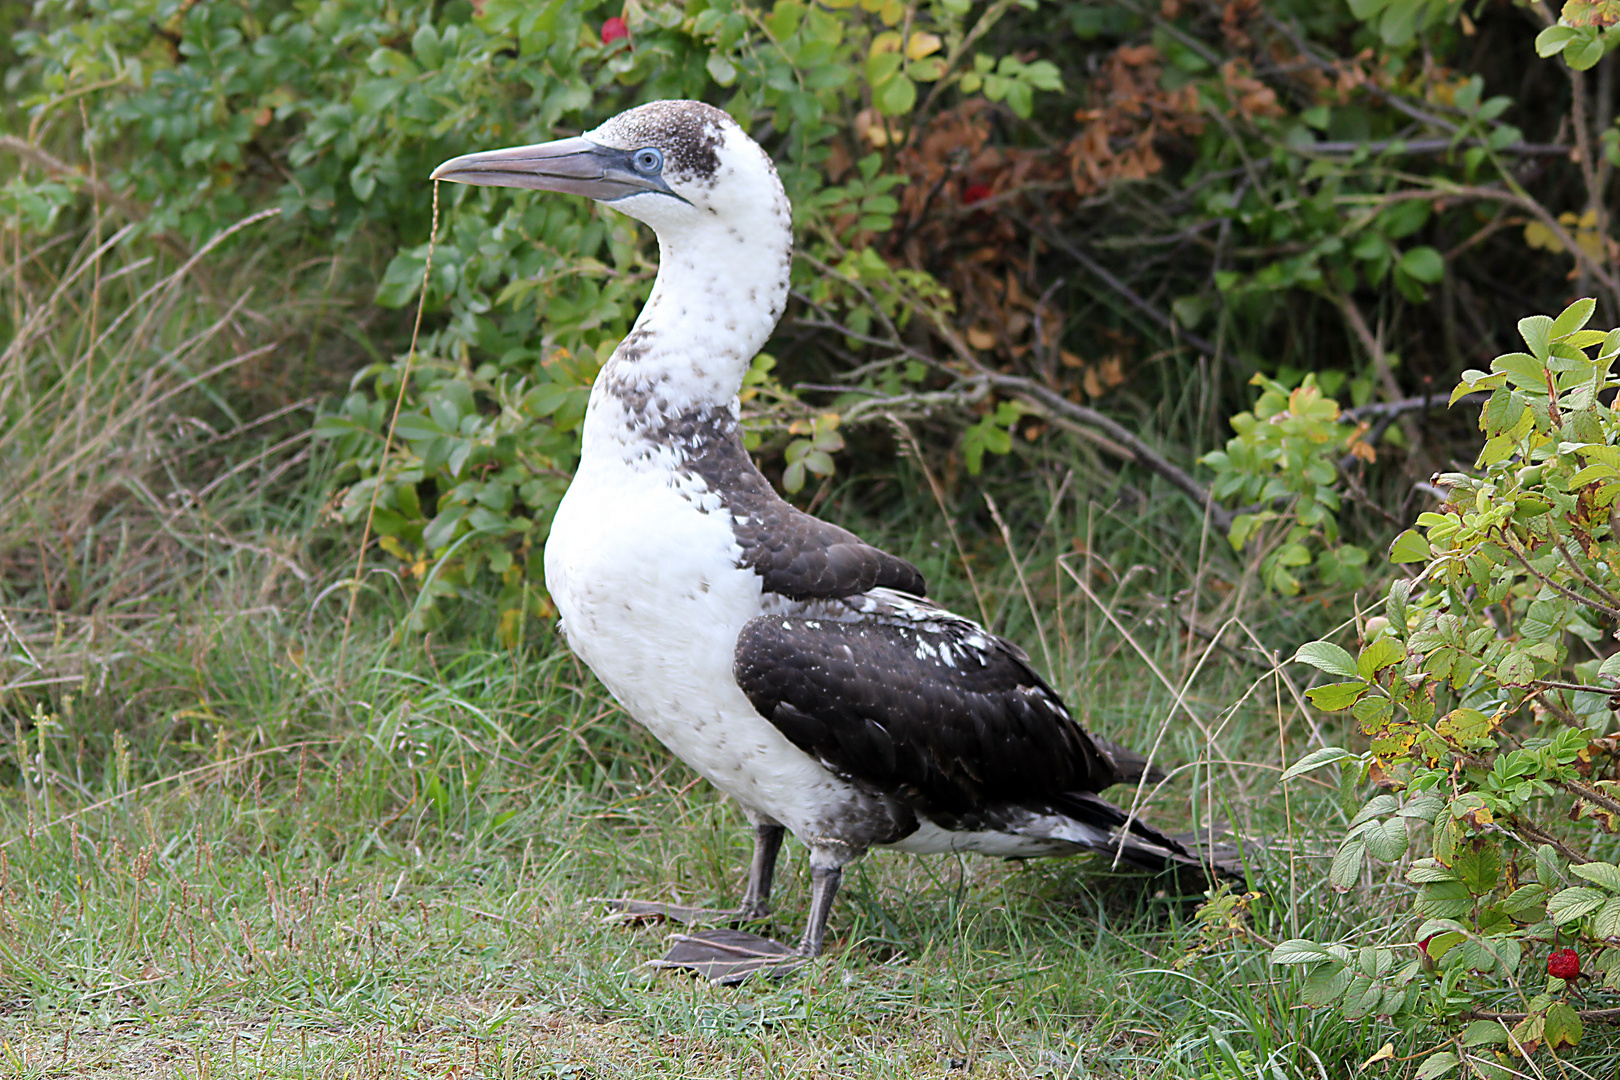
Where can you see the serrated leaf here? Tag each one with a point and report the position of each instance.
(1325, 985)
(1327, 657)
(1424, 871)
(1436, 1065)
(1376, 807)
(1387, 841)
(1518, 669)
(1537, 333)
(1410, 547)
(1334, 697)
(1572, 318)
(1485, 1033)
(1379, 655)
(1479, 865)
(1606, 923)
(1443, 900)
(1599, 873)
(1563, 1025)
(1327, 755)
(1464, 725)
(1572, 903)
(1299, 951)
(1346, 867)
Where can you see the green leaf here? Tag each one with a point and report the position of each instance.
(1485, 1033)
(1572, 903)
(1551, 41)
(1423, 871)
(1599, 873)
(1436, 1065)
(1379, 655)
(721, 69)
(1563, 1026)
(1316, 759)
(1424, 263)
(1346, 868)
(1328, 657)
(1333, 697)
(1606, 923)
(1573, 318)
(1299, 951)
(1443, 900)
(1517, 670)
(1387, 841)
(1584, 54)
(1537, 333)
(895, 97)
(1410, 547)
(416, 426)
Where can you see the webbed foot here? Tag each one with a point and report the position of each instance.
(727, 957)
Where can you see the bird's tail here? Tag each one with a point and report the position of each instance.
(1211, 853)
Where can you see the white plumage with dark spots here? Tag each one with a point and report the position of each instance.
(794, 666)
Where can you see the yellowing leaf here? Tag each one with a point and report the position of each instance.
(922, 44)
(1385, 1053)
(886, 42)
(1537, 235)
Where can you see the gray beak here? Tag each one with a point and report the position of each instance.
(575, 166)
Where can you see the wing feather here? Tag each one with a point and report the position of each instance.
(910, 700)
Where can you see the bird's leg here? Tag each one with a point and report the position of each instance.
(730, 956)
(823, 887)
(755, 902)
(762, 870)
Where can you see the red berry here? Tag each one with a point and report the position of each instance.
(1564, 964)
(614, 29)
(1424, 944)
(975, 193)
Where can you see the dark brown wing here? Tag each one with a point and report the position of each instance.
(929, 708)
(796, 556)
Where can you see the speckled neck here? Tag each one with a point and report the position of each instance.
(723, 267)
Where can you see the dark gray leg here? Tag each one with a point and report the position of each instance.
(755, 902)
(730, 956)
(823, 887)
(762, 871)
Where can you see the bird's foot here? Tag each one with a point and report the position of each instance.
(638, 910)
(727, 957)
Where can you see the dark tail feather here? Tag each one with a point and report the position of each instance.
(1146, 847)
(1129, 766)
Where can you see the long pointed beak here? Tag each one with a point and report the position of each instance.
(575, 166)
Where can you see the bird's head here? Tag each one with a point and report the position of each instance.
(675, 165)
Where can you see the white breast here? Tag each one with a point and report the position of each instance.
(641, 563)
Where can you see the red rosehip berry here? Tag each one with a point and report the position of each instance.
(614, 29)
(1564, 964)
(975, 193)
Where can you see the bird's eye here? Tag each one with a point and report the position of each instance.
(647, 161)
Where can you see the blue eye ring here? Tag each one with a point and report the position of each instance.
(647, 161)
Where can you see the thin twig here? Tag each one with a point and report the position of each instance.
(1051, 401)
(1097, 270)
(388, 439)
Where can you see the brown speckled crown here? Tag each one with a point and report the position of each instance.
(686, 131)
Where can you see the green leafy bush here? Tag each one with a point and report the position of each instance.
(1485, 691)
(1282, 466)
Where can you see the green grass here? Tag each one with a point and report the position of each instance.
(233, 858)
(272, 891)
